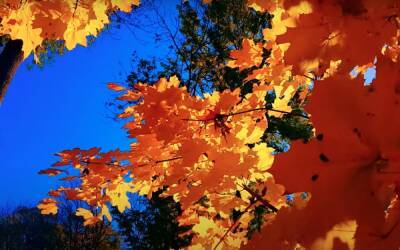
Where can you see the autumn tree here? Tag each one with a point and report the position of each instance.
(26, 228)
(338, 190)
(219, 29)
(153, 224)
(201, 45)
(74, 234)
(34, 26)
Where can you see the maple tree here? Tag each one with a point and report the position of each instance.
(201, 47)
(28, 26)
(349, 170)
(200, 44)
(339, 190)
(142, 225)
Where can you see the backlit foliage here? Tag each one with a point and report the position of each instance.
(338, 190)
(69, 20)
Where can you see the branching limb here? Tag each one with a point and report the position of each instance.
(260, 199)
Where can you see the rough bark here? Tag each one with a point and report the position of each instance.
(10, 59)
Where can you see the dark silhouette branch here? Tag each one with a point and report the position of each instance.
(10, 59)
(260, 199)
(113, 164)
(247, 111)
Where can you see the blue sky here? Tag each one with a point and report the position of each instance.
(63, 106)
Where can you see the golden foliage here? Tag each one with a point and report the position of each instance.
(344, 184)
(70, 21)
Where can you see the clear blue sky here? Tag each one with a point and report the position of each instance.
(62, 106)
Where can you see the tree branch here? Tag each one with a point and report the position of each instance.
(232, 226)
(247, 111)
(260, 199)
(10, 59)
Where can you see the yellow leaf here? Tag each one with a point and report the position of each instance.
(204, 226)
(105, 212)
(282, 100)
(118, 195)
(264, 153)
(19, 26)
(344, 231)
(48, 206)
(87, 215)
(124, 5)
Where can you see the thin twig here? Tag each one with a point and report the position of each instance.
(87, 162)
(232, 226)
(309, 77)
(75, 7)
(247, 111)
(161, 161)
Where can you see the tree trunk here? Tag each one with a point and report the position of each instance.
(10, 59)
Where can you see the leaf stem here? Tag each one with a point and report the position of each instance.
(260, 199)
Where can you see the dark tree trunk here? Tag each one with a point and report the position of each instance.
(10, 59)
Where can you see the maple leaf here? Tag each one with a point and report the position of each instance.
(249, 55)
(51, 171)
(350, 169)
(116, 87)
(118, 195)
(87, 215)
(338, 30)
(48, 206)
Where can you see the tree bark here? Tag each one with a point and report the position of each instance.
(10, 59)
